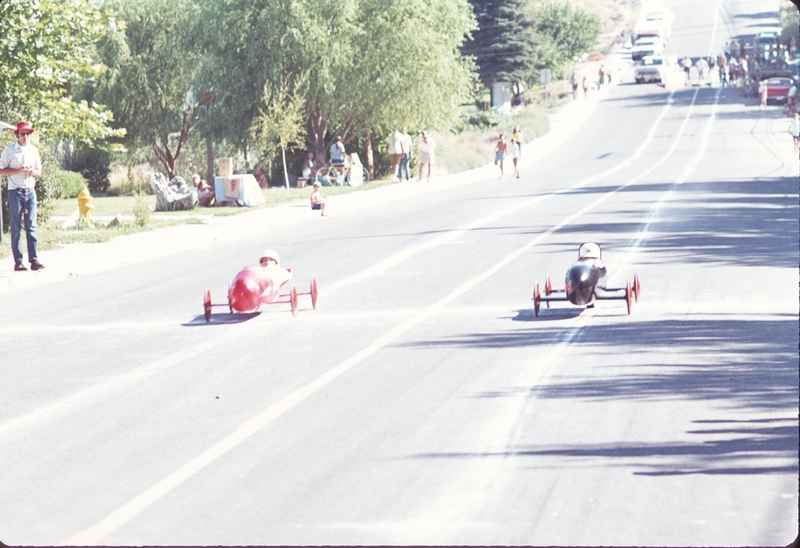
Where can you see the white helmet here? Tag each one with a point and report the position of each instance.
(589, 251)
(270, 254)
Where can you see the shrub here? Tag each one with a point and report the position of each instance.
(476, 121)
(71, 183)
(94, 164)
(141, 211)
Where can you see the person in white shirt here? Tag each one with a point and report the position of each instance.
(20, 162)
(794, 129)
(394, 146)
(426, 154)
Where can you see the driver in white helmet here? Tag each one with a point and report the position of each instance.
(269, 258)
(270, 262)
(590, 253)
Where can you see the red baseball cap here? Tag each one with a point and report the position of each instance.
(24, 127)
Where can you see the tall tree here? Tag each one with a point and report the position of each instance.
(504, 46)
(45, 50)
(150, 72)
(566, 31)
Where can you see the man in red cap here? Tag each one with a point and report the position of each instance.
(21, 163)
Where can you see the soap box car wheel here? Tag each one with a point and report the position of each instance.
(294, 301)
(207, 305)
(314, 293)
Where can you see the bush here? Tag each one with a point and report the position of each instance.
(95, 165)
(71, 183)
(141, 211)
(481, 120)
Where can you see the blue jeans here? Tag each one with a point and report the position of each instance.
(404, 167)
(19, 200)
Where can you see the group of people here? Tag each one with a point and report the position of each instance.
(400, 148)
(604, 81)
(501, 149)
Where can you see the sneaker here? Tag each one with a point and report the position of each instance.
(36, 265)
(19, 267)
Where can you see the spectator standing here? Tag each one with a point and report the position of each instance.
(762, 93)
(574, 81)
(427, 149)
(687, 66)
(702, 70)
(337, 151)
(585, 87)
(500, 152)
(794, 129)
(792, 48)
(722, 67)
(317, 203)
(394, 146)
(601, 78)
(517, 136)
(406, 159)
(21, 163)
(515, 154)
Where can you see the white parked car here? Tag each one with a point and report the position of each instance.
(645, 46)
(655, 68)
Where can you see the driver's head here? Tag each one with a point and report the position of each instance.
(589, 251)
(269, 257)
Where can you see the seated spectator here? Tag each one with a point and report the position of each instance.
(317, 203)
(205, 194)
(309, 166)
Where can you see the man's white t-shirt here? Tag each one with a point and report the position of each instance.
(15, 156)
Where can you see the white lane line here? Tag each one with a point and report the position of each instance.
(138, 504)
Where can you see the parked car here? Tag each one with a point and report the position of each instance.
(655, 68)
(646, 46)
(778, 89)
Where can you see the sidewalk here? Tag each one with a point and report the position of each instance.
(81, 259)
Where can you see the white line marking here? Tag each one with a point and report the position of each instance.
(132, 508)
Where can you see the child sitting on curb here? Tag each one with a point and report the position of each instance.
(317, 203)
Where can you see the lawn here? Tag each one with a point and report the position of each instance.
(51, 235)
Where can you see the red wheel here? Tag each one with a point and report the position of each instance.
(629, 296)
(548, 286)
(537, 300)
(207, 306)
(637, 287)
(314, 293)
(294, 301)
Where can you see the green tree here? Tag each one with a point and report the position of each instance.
(364, 64)
(280, 123)
(150, 71)
(505, 45)
(565, 31)
(45, 51)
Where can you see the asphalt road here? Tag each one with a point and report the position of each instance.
(423, 402)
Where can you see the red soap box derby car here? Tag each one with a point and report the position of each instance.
(254, 287)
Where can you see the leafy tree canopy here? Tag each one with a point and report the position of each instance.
(45, 50)
(150, 71)
(565, 31)
(364, 64)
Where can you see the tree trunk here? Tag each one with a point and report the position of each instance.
(209, 149)
(285, 173)
(368, 156)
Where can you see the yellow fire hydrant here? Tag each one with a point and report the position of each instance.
(85, 206)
